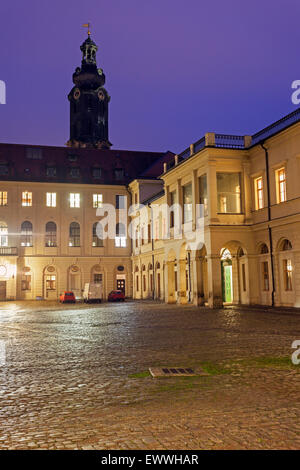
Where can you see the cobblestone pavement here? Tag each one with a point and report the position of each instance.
(75, 377)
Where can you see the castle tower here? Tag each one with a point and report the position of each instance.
(89, 102)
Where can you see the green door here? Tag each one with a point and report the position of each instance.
(227, 283)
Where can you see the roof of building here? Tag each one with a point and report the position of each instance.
(20, 162)
(239, 142)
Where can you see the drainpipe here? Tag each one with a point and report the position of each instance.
(269, 219)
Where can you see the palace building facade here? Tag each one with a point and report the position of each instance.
(249, 237)
(246, 245)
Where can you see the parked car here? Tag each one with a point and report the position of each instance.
(67, 296)
(92, 292)
(116, 295)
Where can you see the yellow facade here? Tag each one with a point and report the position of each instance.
(40, 271)
(251, 243)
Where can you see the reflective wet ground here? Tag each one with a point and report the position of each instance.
(76, 377)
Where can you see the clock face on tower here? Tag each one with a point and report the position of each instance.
(76, 93)
(101, 95)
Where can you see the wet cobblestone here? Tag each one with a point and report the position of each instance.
(70, 380)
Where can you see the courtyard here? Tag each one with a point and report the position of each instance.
(76, 377)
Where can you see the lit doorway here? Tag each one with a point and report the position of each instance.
(226, 264)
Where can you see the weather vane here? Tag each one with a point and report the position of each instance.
(87, 25)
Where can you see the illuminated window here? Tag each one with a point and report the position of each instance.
(51, 199)
(281, 185)
(51, 282)
(50, 238)
(120, 240)
(265, 275)
(229, 193)
(74, 200)
(3, 234)
(187, 201)
(97, 201)
(287, 273)
(26, 198)
(26, 233)
(74, 234)
(203, 195)
(3, 198)
(97, 235)
(259, 193)
(120, 201)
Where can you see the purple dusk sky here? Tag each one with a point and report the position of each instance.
(174, 69)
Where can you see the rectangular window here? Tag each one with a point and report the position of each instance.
(281, 185)
(97, 278)
(287, 272)
(187, 203)
(203, 195)
(34, 153)
(51, 199)
(229, 193)
(3, 198)
(97, 201)
(26, 198)
(74, 200)
(120, 242)
(259, 193)
(120, 239)
(120, 202)
(51, 282)
(265, 275)
(149, 232)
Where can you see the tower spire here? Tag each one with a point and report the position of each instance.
(89, 101)
(88, 26)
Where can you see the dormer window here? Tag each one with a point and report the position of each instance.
(51, 171)
(96, 172)
(3, 169)
(74, 172)
(119, 173)
(72, 157)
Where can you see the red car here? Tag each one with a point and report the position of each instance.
(67, 297)
(116, 295)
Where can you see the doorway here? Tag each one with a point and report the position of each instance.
(227, 280)
(121, 285)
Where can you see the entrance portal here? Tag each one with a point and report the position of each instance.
(227, 276)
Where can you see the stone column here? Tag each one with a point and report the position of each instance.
(235, 280)
(182, 281)
(215, 295)
(246, 200)
(212, 191)
(195, 193)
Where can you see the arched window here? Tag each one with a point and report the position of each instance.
(26, 233)
(74, 234)
(286, 245)
(50, 238)
(3, 234)
(97, 234)
(264, 249)
(120, 240)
